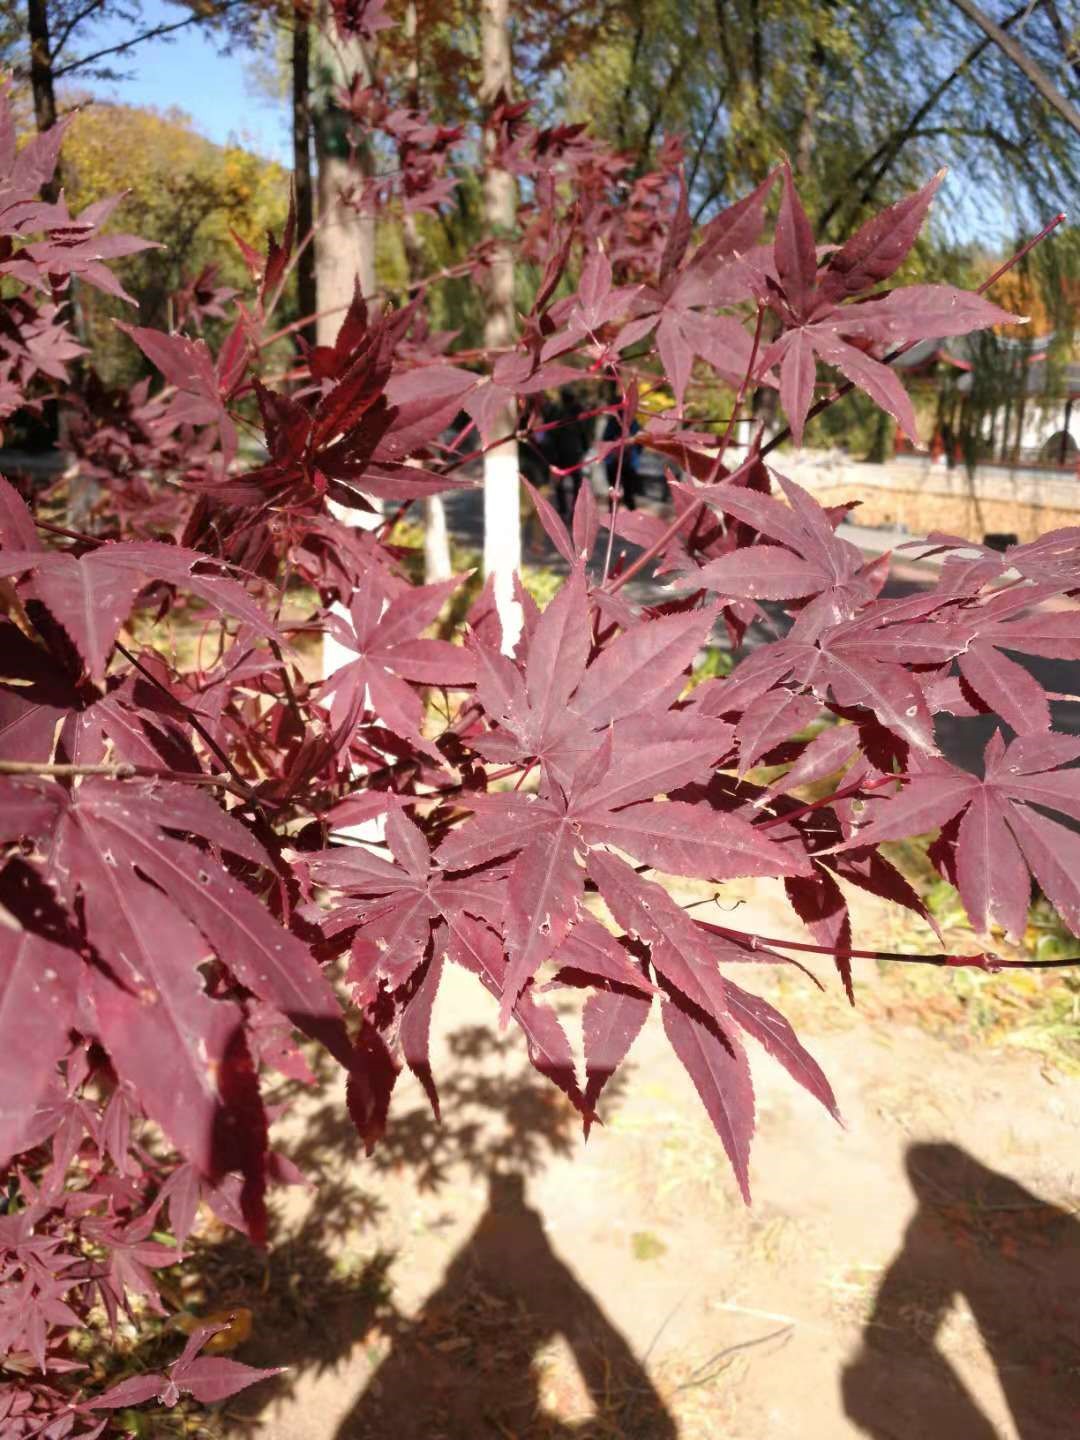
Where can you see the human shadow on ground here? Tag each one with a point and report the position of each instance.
(473, 1364)
(1015, 1260)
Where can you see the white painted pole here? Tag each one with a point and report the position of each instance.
(344, 255)
(502, 536)
(437, 564)
(502, 500)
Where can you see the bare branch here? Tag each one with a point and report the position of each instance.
(886, 153)
(120, 770)
(155, 34)
(1023, 61)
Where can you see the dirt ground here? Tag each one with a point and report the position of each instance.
(913, 1274)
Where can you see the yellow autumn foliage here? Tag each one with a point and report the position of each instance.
(183, 191)
(1019, 293)
(237, 1319)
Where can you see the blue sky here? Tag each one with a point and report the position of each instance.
(188, 70)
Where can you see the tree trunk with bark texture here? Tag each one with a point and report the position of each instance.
(437, 564)
(345, 240)
(345, 243)
(303, 182)
(41, 78)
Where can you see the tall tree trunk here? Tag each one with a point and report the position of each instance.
(345, 241)
(303, 183)
(437, 564)
(345, 244)
(878, 451)
(41, 77)
(502, 516)
(1021, 416)
(82, 491)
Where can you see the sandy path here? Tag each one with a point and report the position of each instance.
(915, 1274)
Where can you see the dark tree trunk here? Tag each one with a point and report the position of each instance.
(41, 78)
(302, 175)
(437, 562)
(41, 87)
(879, 445)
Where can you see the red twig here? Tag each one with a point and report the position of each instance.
(982, 961)
(845, 794)
(80, 535)
(1024, 250)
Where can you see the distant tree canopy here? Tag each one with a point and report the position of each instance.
(866, 101)
(185, 193)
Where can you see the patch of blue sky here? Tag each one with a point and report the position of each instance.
(191, 71)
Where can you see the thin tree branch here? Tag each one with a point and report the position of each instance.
(61, 39)
(120, 770)
(1070, 46)
(699, 155)
(1023, 62)
(196, 724)
(982, 961)
(890, 148)
(155, 34)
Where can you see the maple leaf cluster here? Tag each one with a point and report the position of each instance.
(41, 248)
(419, 180)
(196, 848)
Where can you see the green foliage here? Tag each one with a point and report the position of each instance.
(443, 241)
(644, 1245)
(542, 582)
(716, 663)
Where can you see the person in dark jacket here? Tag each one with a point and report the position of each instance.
(628, 476)
(564, 447)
